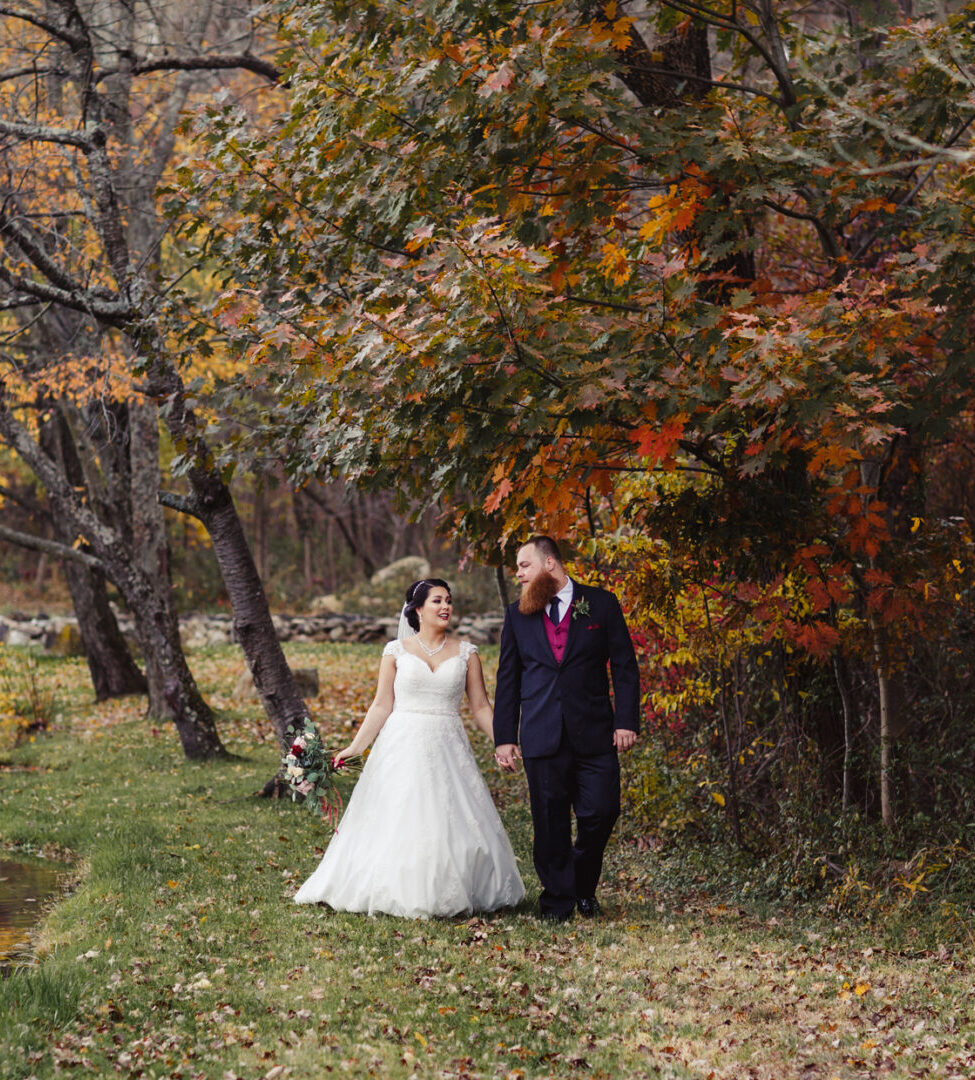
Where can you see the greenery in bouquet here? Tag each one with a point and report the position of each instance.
(310, 771)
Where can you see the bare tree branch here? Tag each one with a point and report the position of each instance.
(18, 73)
(115, 312)
(40, 133)
(31, 505)
(674, 76)
(110, 228)
(242, 61)
(14, 302)
(28, 244)
(60, 32)
(185, 504)
(49, 547)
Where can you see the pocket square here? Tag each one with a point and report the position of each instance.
(594, 626)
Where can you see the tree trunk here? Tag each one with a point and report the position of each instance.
(158, 630)
(502, 583)
(675, 72)
(259, 527)
(892, 482)
(886, 719)
(305, 526)
(732, 808)
(155, 619)
(113, 671)
(253, 626)
(847, 729)
(150, 542)
(356, 546)
(39, 573)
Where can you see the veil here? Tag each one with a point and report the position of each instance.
(404, 630)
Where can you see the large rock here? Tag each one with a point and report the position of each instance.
(327, 605)
(63, 639)
(204, 631)
(307, 681)
(20, 632)
(18, 637)
(409, 568)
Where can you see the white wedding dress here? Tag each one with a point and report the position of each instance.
(420, 835)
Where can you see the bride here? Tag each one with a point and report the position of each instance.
(420, 835)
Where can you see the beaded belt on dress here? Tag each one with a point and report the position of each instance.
(427, 712)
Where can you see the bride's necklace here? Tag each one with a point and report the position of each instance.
(429, 651)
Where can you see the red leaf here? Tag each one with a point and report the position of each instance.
(658, 442)
(494, 500)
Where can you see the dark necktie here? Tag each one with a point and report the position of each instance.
(553, 611)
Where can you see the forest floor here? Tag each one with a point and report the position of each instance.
(175, 949)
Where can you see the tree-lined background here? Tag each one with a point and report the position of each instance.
(287, 293)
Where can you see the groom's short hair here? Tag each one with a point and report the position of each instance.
(545, 546)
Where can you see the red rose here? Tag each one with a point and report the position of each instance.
(296, 749)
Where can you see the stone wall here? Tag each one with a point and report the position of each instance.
(59, 634)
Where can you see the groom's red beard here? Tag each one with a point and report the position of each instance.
(535, 594)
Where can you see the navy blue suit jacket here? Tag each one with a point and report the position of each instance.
(539, 698)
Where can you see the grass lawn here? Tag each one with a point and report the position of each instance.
(176, 950)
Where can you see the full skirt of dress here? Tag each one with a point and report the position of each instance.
(420, 836)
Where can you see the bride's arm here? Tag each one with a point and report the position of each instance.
(477, 696)
(377, 713)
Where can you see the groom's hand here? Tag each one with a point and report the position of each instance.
(624, 739)
(506, 755)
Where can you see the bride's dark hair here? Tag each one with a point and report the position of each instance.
(416, 597)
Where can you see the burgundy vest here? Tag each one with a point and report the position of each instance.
(558, 636)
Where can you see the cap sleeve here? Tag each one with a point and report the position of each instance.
(393, 648)
(467, 650)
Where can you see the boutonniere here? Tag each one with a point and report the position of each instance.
(580, 609)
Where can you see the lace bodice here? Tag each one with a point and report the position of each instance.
(419, 689)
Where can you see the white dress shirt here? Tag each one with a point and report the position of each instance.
(565, 598)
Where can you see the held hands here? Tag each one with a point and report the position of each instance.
(506, 755)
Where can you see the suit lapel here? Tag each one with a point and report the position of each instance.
(574, 629)
(536, 625)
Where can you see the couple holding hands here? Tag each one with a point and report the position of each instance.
(420, 836)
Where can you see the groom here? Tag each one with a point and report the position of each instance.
(555, 647)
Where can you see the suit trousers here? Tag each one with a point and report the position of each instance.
(557, 785)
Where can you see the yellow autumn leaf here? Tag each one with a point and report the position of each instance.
(419, 1038)
(718, 797)
(614, 264)
(861, 988)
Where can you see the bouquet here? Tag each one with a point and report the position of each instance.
(310, 770)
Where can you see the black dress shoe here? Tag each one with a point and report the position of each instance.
(589, 907)
(555, 916)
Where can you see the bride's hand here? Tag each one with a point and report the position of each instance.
(342, 756)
